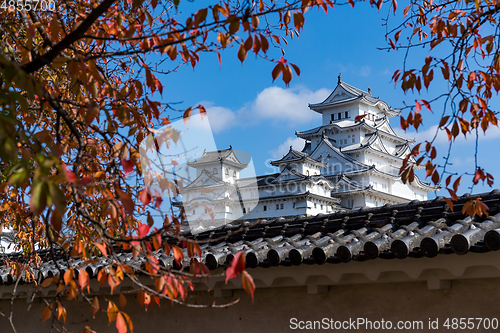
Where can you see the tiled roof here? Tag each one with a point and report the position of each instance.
(415, 229)
(224, 155)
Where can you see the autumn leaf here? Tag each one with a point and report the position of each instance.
(94, 306)
(128, 166)
(237, 266)
(83, 280)
(126, 200)
(248, 284)
(145, 197)
(46, 313)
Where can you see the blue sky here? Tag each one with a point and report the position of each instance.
(250, 112)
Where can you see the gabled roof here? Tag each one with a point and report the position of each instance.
(381, 125)
(345, 93)
(338, 153)
(224, 156)
(372, 140)
(294, 156)
(205, 179)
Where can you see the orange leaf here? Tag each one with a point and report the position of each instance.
(112, 311)
(242, 53)
(102, 277)
(186, 115)
(248, 284)
(102, 247)
(94, 307)
(83, 279)
(68, 276)
(46, 313)
(178, 255)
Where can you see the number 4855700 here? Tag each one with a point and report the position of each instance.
(41, 5)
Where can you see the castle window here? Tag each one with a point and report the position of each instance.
(215, 171)
(333, 116)
(227, 172)
(294, 205)
(340, 116)
(321, 207)
(244, 210)
(353, 139)
(277, 206)
(281, 206)
(347, 114)
(234, 174)
(314, 205)
(265, 208)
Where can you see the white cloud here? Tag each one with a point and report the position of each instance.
(219, 117)
(288, 106)
(296, 143)
(365, 71)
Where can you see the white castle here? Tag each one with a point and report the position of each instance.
(345, 164)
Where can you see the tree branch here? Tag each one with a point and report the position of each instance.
(67, 41)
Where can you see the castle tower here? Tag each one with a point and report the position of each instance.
(362, 152)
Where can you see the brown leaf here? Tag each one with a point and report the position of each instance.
(123, 301)
(46, 313)
(94, 306)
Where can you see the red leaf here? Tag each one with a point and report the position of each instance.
(56, 220)
(128, 166)
(237, 266)
(86, 180)
(143, 230)
(70, 175)
(126, 200)
(145, 197)
(357, 119)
